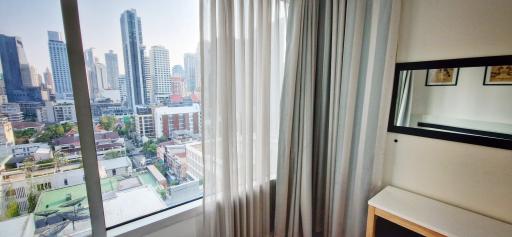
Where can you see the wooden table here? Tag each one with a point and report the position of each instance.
(430, 217)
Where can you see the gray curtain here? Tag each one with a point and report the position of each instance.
(338, 56)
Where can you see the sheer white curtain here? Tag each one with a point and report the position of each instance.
(242, 53)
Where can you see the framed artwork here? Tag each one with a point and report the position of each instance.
(498, 75)
(442, 77)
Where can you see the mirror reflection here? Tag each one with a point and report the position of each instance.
(469, 100)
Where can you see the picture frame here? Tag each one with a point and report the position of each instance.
(498, 75)
(442, 77)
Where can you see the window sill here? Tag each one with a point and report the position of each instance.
(159, 221)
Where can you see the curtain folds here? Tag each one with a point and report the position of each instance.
(242, 55)
(339, 54)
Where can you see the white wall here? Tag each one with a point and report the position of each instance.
(470, 104)
(473, 177)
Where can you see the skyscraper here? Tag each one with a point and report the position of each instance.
(131, 32)
(14, 62)
(60, 66)
(48, 81)
(3, 95)
(148, 82)
(122, 89)
(112, 69)
(160, 73)
(177, 71)
(190, 62)
(92, 79)
(101, 76)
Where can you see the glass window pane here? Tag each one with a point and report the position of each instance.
(142, 65)
(42, 186)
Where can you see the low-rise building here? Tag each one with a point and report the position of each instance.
(26, 150)
(116, 166)
(144, 124)
(64, 111)
(195, 159)
(6, 132)
(16, 185)
(12, 111)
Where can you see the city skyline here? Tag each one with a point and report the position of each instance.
(96, 23)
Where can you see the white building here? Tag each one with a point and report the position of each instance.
(183, 118)
(112, 69)
(25, 150)
(12, 111)
(6, 132)
(145, 125)
(113, 167)
(194, 159)
(46, 114)
(160, 68)
(64, 111)
(43, 153)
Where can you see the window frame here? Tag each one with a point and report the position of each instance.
(146, 223)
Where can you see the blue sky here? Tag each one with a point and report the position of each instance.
(171, 23)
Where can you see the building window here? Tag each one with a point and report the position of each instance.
(138, 117)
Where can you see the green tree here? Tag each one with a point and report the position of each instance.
(149, 147)
(108, 122)
(162, 139)
(12, 210)
(32, 201)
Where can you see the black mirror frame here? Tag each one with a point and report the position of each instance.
(503, 142)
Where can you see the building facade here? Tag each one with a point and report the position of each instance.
(172, 120)
(133, 52)
(16, 70)
(160, 73)
(6, 132)
(112, 65)
(60, 66)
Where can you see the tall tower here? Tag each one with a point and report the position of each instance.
(92, 78)
(60, 66)
(112, 69)
(3, 95)
(131, 32)
(160, 72)
(16, 70)
(148, 82)
(190, 62)
(48, 81)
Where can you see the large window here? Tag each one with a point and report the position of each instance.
(141, 64)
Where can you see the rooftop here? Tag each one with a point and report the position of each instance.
(115, 163)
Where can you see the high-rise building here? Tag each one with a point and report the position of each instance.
(190, 62)
(133, 52)
(112, 69)
(101, 76)
(3, 95)
(14, 62)
(177, 71)
(149, 94)
(160, 73)
(92, 79)
(48, 81)
(177, 86)
(122, 89)
(60, 66)
(35, 77)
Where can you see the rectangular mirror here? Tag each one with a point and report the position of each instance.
(465, 100)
